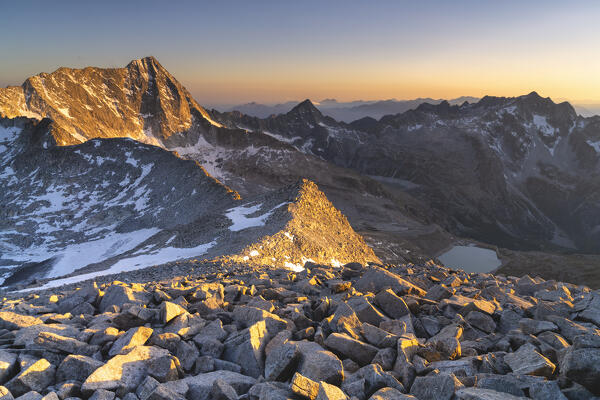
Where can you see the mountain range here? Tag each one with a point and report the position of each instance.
(125, 160)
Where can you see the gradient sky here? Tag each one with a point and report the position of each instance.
(228, 52)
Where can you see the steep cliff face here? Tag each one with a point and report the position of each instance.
(142, 101)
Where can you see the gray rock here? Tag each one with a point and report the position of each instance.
(5, 394)
(145, 389)
(372, 378)
(221, 390)
(351, 348)
(435, 387)
(187, 354)
(77, 367)
(8, 363)
(391, 304)
(526, 360)
(582, 366)
(246, 348)
(246, 316)
(472, 393)
(304, 387)
(365, 311)
(33, 395)
(124, 372)
(390, 394)
(34, 377)
(385, 358)
(201, 384)
(319, 364)
(378, 337)
(377, 279)
(481, 321)
(12, 321)
(102, 394)
(118, 294)
(281, 362)
(500, 383)
(548, 390)
(169, 310)
(132, 338)
(52, 341)
(330, 392)
(533, 327)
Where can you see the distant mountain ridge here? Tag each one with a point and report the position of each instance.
(519, 172)
(345, 111)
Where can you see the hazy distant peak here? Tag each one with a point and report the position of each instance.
(306, 108)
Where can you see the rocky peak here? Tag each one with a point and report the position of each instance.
(142, 101)
(306, 111)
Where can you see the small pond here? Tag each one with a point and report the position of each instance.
(470, 259)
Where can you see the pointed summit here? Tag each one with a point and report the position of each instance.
(307, 111)
(142, 101)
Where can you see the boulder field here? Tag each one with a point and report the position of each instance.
(378, 332)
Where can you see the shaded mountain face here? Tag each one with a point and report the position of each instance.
(518, 172)
(109, 205)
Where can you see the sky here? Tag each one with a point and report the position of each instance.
(231, 52)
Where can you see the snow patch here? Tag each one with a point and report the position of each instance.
(240, 219)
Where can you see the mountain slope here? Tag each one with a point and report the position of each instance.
(116, 204)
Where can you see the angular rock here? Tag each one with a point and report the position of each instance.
(377, 279)
(351, 348)
(102, 394)
(246, 316)
(8, 363)
(118, 294)
(533, 327)
(548, 390)
(391, 304)
(247, 347)
(52, 341)
(132, 338)
(378, 337)
(12, 321)
(365, 311)
(472, 393)
(500, 383)
(526, 360)
(201, 384)
(169, 310)
(304, 387)
(481, 321)
(582, 366)
(281, 362)
(435, 387)
(77, 367)
(391, 394)
(330, 392)
(221, 390)
(124, 372)
(35, 377)
(319, 364)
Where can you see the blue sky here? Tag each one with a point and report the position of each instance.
(237, 51)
